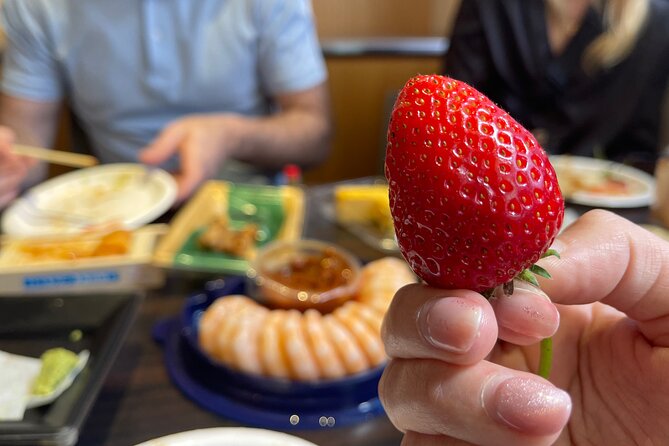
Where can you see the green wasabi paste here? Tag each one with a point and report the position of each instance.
(57, 363)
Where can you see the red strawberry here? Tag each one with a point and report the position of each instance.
(474, 199)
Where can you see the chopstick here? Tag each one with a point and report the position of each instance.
(56, 156)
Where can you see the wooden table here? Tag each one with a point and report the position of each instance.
(138, 402)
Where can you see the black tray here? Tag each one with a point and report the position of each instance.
(31, 325)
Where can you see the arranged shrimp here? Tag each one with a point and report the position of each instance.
(368, 339)
(300, 360)
(381, 279)
(324, 352)
(288, 344)
(369, 315)
(229, 327)
(208, 325)
(211, 325)
(271, 351)
(347, 347)
(244, 342)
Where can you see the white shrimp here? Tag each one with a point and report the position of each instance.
(381, 279)
(208, 325)
(244, 343)
(347, 347)
(324, 352)
(271, 351)
(371, 316)
(369, 340)
(228, 327)
(302, 364)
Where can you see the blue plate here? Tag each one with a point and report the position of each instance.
(255, 400)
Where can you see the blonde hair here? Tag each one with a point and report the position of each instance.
(623, 22)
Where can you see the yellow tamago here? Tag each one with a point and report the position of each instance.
(363, 204)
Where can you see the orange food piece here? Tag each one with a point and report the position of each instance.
(114, 243)
(79, 247)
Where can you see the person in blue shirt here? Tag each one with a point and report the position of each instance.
(198, 87)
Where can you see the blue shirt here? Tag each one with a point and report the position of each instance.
(129, 67)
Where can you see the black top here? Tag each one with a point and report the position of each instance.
(501, 47)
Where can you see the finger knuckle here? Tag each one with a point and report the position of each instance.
(385, 383)
(435, 393)
(390, 384)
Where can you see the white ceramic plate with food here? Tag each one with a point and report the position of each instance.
(125, 195)
(601, 183)
(228, 436)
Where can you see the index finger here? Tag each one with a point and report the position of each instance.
(604, 257)
(190, 173)
(164, 146)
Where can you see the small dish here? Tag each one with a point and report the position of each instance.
(260, 401)
(278, 213)
(303, 274)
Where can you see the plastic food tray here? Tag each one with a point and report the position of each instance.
(279, 211)
(116, 273)
(29, 326)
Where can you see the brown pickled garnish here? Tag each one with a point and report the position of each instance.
(315, 272)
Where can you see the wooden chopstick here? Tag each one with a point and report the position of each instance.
(69, 159)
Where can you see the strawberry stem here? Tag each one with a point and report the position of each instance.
(546, 358)
(527, 276)
(550, 252)
(508, 288)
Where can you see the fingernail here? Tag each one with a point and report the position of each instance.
(450, 323)
(527, 404)
(528, 311)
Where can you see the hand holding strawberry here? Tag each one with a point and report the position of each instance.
(610, 288)
(475, 202)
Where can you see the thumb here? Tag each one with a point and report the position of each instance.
(609, 259)
(164, 146)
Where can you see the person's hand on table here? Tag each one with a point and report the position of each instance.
(203, 143)
(450, 382)
(14, 168)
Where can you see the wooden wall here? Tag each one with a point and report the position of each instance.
(389, 18)
(361, 86)
(361, 89)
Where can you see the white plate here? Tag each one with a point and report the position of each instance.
(228, 436)
(130, 195)
(578, 175)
